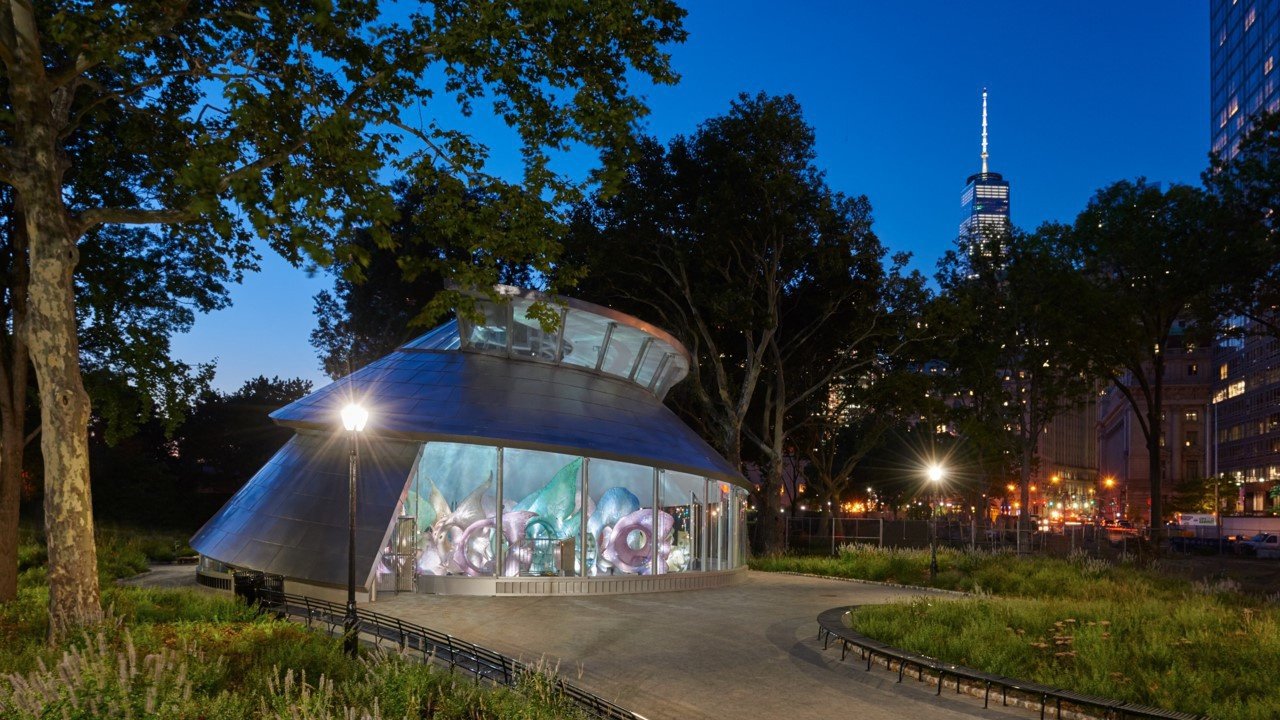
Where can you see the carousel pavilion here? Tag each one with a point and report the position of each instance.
(497, 459)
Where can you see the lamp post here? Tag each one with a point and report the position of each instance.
(354, 418)
(935, 473)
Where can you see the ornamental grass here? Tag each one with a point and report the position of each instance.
(177, 653)
(1112, 629)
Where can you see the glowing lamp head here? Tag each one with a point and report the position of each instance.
(354, 417)
(935, 473)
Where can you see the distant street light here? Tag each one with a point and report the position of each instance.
(354, 418)
(935, 473)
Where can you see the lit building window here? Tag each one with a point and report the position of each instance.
(1222, 371)
(1233, 107)
(1235, 388)
(1250, 18)
(1269, 65)
(1191, 416)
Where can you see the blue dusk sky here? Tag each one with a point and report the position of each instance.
(1081, 94)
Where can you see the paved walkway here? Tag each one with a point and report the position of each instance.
(746, 651)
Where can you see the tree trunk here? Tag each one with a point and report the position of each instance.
(64, 417)
(772, 522)
(39, 111)
(13, 406)
(10, 497)
(64, 410)
(1153, 452)
(1024, 514)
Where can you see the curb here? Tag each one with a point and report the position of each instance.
(918, 588)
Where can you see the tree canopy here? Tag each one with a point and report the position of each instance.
(233, 125)
(732, 239)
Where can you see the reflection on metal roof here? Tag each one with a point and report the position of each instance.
(286, 520)
(473, 397)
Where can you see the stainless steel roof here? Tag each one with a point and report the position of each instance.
(470, 397)
(290, 519)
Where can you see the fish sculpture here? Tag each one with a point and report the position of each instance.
(615, 504)
(473, 553)
(633, 540)
(440, 542)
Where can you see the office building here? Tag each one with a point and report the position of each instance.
(984, 203)
(1244, 48)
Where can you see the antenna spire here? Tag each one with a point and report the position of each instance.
(984, 130)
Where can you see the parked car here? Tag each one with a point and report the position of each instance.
(1266, 545)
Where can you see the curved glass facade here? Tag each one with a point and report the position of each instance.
(483, 511)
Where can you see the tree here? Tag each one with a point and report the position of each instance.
(1249, 184)
(1148, 264)
(840, 428)
(230, 436)
(731, 239)
(1009, 357)
(361, 321)
(132, 296)
(222, 123)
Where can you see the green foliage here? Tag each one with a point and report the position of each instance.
(230, 436)
(194, 653)
(1000, 314)
(731, 238)
(1106, 629)
(1250, 187)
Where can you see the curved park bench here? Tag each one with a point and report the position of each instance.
(831, 627)
(481, 663)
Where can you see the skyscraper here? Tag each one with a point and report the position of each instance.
(985, 201)
(1244, 49)
(1244, 42)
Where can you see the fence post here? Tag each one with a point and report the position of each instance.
(882, 532)
(833, 534)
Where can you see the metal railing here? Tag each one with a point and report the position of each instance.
(831, 627)
(480, 662)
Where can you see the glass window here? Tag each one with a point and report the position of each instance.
(583, 337)
(444, 337)
(528, 339)
(625, 344)
(682, 499)
(655, 360)
(719, 509)
(541, 512)
(452, 497)
(621, 520)
(490, 333)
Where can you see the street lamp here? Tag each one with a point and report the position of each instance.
(354, 418)
(935, 474)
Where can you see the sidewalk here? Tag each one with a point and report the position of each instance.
(746, 651)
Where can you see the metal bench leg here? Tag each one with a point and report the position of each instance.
(986, 698)
(941, 675)
(869, 656)
(902, 667)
